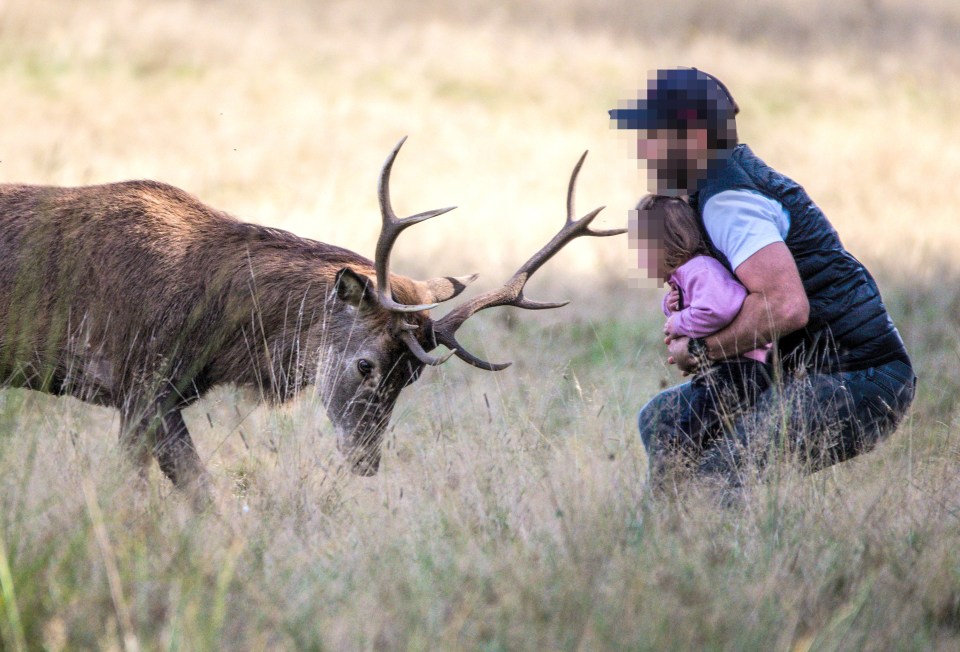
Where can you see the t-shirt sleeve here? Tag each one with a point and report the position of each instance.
(741, 223)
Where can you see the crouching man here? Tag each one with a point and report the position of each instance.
(845, 378)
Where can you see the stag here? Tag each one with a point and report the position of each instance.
(136, 295)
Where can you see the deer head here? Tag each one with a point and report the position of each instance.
(390, 334)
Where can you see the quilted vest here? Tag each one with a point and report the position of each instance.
(849, 328)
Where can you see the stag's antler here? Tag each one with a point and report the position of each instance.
(393, 227)
(442, 289)
(511, 294)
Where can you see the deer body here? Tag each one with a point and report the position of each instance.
(137, 296)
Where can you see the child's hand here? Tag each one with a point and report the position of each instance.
(673, 298)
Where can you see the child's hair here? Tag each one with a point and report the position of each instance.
(675, 221)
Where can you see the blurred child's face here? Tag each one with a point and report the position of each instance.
(646, 236)
(676, 160)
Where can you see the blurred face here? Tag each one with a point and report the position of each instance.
(676, 159)
(646, 236)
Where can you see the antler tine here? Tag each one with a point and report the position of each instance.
(511, 294)
(450, 342)
(406, 334)
(572, 186)
(588, 218)
(391, 228)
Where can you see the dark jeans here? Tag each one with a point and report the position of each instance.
(822, 419)
(719, 395)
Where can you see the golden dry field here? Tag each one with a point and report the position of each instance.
(510, 512)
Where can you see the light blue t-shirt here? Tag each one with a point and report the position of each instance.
(742, 222)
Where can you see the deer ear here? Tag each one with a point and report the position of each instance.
(445, 287)
(352, 288)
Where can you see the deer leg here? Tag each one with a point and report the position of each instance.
(159, 429)
(177, 455)
(136, 441)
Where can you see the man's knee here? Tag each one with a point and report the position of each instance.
(665, 419)
(656, 416)
(647, 423)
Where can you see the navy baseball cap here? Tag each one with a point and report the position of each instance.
(678, 98)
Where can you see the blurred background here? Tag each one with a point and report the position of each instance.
(282, 113)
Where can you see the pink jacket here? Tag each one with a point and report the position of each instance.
(710, 299)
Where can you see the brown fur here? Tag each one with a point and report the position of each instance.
(138, 296)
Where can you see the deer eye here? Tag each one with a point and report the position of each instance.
(364, 366)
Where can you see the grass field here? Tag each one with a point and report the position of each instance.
(510, 511)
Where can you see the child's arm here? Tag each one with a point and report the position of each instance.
(712, 298)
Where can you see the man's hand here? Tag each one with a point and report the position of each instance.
(668, 329)
(679, 355)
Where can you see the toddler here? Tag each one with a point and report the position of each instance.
(704, 298)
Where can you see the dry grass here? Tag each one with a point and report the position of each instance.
(510, 512)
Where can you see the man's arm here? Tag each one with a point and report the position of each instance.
(776, 304)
